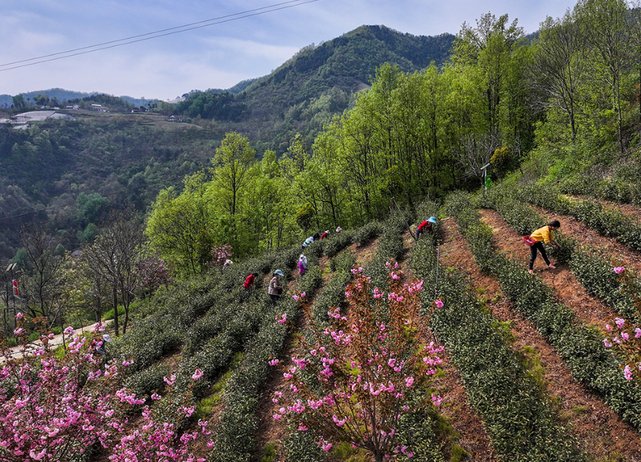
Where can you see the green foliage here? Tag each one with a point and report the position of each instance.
(91, 207)
(498, 385)
(579, 346)
(607, 221)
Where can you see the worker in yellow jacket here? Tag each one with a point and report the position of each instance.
(542, 236)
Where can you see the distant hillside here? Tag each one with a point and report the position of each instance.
(62, 96)
(100, 160)
(316, 83)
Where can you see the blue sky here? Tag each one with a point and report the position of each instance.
(213, 57)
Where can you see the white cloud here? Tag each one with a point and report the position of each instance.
(212, 57)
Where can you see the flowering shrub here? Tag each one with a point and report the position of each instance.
(625, 338)
(53, 409)
(153, 273)
(370, 361)
(220, 254)
(158, 436)
(63, 409)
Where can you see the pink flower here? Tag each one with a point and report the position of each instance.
(339, 422)
(277, 417)
(38, 455)
(439, 303)
(155, 396)
(377, 293)
(620, 322)
(18, 332)
(296, 297)
(273, 362)
(608, 327)
(69, 330)
(188, 411)
(170, 380)
(607, 343)
(437, 400)
(627, 373)
(619, 269)
(198, 374)
(326, 447)
(19, 316)
(637, 332)
(302, 428)
(625, 336)
(282, 320)
(409, 381)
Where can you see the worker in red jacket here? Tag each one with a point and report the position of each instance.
(249, 281)
(425, 226)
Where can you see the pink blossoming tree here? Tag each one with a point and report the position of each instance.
(65, 408)
(368, 366)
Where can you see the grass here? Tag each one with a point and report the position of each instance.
(206, 406)
(109, 314)
(532, 362)
(270, 454)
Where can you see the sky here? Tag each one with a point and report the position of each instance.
(216, 56)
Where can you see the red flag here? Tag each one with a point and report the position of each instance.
(16, 287)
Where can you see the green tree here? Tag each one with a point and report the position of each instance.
(179, 226)
(557, 70)
(232, 162)
(604, 24)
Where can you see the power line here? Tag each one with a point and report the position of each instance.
(151, 35)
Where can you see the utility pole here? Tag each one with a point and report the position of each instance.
(484, 169)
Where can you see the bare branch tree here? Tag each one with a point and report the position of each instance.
(43, 281)
(557, 69)
(113, 257)
(475, 152)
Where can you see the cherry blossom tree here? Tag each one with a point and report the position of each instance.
(368, 365)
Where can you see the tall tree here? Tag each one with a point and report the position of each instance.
(115, 255)
(43, 283)
(604, 24)
(232, 162)
(634, 29)
(557, 68)
(181, 226)
(488, 45)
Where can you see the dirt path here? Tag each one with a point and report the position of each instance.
(456, 407)
(631, 211)
(618, 253)
(364, 255)
(17, 352)
(567, 288)
(599, 430)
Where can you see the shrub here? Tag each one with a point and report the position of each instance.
(518, 419)
(580, 347)
(367, 233)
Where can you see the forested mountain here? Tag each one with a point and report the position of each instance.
(99, 160)
(319, 81)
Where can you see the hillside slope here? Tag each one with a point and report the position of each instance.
(316, 83)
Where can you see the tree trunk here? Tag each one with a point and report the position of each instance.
(115, 303)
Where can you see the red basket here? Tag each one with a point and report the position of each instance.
(527, 240)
